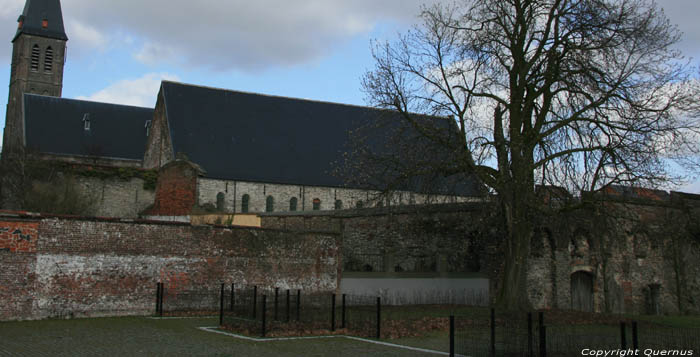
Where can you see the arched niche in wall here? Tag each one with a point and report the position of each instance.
(582, 291)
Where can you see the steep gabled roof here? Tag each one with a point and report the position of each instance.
(35, 12)
(57, 126)
(261, 138)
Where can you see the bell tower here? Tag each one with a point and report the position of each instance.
(38, 57)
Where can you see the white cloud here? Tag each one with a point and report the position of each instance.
(85, 36)
(140, 92)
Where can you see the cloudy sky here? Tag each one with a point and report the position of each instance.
(119, 50)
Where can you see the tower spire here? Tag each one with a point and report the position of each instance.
(42, 18)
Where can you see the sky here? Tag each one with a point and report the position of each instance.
(120, 50)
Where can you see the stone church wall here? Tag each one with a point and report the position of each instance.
(233, 191)
(115, 197)
(68, 267)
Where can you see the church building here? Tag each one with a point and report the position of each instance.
(245, 152)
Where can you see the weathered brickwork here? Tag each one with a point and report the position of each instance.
(105, 267)
(18, 236)
(176, 189)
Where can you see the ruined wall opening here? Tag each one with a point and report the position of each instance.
(582, 291)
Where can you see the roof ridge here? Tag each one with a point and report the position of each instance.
(275, 95)
(86, 101)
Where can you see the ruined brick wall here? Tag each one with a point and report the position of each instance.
(109, 268)
(176, 190)
(115, 197)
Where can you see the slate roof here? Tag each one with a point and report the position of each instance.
(261, 138)
(35, 11)
(55, 125)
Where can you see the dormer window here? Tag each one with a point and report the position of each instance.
(86, 121)
(45, 23)
(148, 127)
(20, 22)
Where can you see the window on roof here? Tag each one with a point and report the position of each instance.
(36, 53)
(48, 60)
(245, 200)
(220, 201)
(270, 204)
(338, 204)
(45, 23)
(293, 204)
(317, 204)
(86, 121)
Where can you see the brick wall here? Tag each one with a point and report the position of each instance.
(176, 190)
(108, 267)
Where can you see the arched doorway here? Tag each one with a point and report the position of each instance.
(582, 291)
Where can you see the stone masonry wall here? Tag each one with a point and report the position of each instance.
(640, 256)
(73, 267)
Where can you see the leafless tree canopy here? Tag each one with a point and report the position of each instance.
(583, 94)
(580, 94)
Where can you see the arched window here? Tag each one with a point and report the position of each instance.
(338, 204)
(48, 60)
(360, 204)
(380, 204)
(245, 200)
(293, 204)
(270, 204)
(36, 53)
(220, 202)
(317, 204)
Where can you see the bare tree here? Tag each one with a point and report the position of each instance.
(581, 94)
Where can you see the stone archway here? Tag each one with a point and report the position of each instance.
(582, 291)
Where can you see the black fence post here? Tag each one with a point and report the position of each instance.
(342, 323)
(543, 334)
(160, 305)
(221, 305)
(298, 303)
(332, 312)
(452, 336)
(543, 341)
(255, 301)
(157, 298)
(493, 332)
(623, 335)
(233, 294)
(264, 309)
(287, 305)
(635, 336)
(379, 317)
(277, 291)
(529, 334)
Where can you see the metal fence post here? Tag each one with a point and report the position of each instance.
(233, 294)
(529, 334)
(263, 312)
(255, 301)
(332, 312)
(635, 336)
(342, 324)
(623, 336)
(452, 335)
(493, 332)
(379, 317)
(543, 341)
(157, 298)
(277, 290)
(221, 305)
(287, 305)
(298, 303)
(162, 293)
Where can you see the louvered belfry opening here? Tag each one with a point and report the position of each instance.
(36, 53)
(48, 60)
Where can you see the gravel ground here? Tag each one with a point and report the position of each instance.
(140, 336)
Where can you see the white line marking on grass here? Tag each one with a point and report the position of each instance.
(216, 330)
(180, 317)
